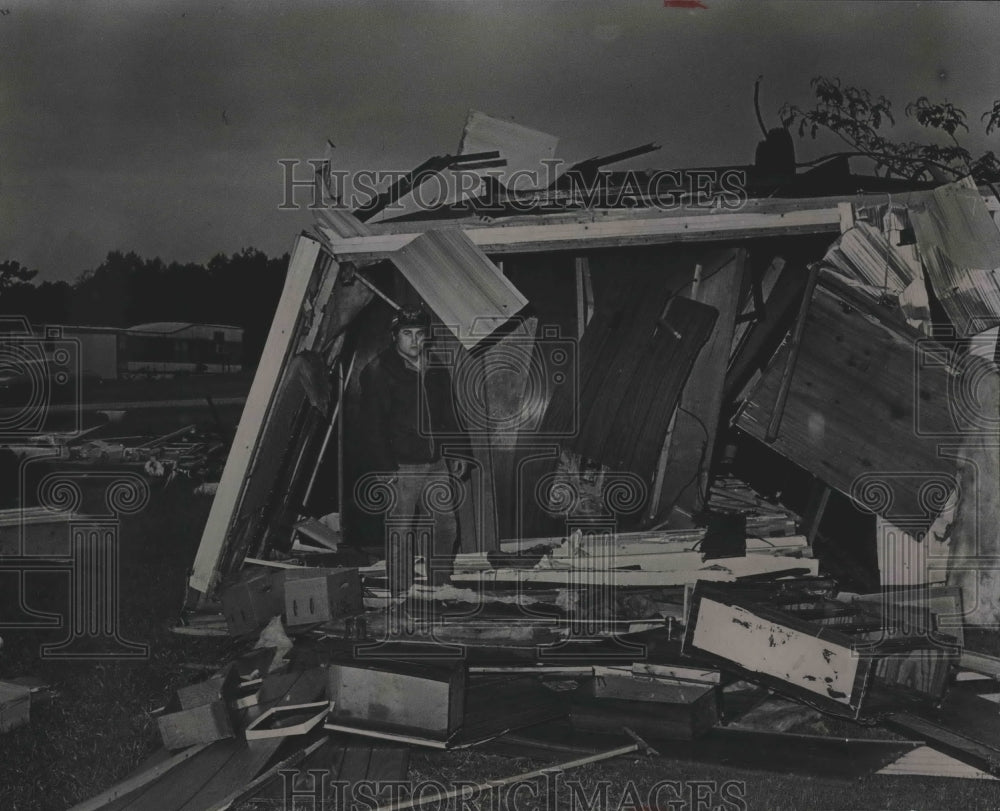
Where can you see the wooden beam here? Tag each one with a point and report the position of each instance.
(608, 233)
(761, 205)
(793, 353)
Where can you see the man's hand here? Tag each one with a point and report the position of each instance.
(458, 467)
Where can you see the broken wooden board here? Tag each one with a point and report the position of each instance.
(859, 415)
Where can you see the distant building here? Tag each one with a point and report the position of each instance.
(162, 347)
(175, 346)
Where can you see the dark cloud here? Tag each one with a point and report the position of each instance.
(157, 126)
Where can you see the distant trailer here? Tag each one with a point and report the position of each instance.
(166, 347)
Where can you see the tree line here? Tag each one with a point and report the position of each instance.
(241, 289)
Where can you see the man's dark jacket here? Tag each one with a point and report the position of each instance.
(398, 430)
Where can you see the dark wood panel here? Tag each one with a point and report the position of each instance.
(692, 440)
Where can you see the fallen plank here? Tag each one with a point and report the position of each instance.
(246, 791)
(139, 780)
(724, 747)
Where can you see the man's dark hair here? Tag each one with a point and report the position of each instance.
(412, 317)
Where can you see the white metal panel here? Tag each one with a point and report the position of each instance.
(459, 283)
(523, 148)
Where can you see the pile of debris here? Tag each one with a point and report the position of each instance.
(738, 671)
(755, 462)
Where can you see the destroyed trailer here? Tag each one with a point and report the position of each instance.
(717, 455)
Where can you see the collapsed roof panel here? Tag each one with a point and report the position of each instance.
(459, 283)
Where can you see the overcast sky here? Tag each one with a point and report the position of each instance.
(157, 126)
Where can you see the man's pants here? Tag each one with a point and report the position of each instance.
(422, 521)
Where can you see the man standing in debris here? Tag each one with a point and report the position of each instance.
(411, 416)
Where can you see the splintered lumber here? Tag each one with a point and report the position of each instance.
(865, 253)
(960, 246)
(859, 409)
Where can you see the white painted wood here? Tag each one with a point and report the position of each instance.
(637, 231)
(300, 270)
(738, 635)
(255, 729)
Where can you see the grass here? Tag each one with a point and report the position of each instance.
(98, 727)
